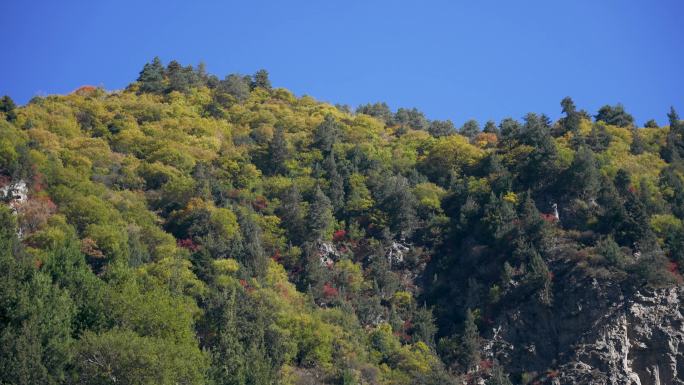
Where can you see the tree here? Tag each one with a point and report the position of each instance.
(674, 146)
(152, 77)
(252, 254)
(539, 275)
(439, 128)
(637, 145)
(320, 216)
(236, 86)
(325, 135)
(470, 355)
(180, 78)
(571, 121)
(123, 357)
(8, 107)
(35, 316)
(491, 128)
(410, 118)
(278, 152)
(291, 214)
(470, 129)
(651, 123)
(582, 177)
(615, 116)
(376, 110)
(396, 199)
(261, 80)
(336, 188)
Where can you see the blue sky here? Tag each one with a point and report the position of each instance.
(455, 59)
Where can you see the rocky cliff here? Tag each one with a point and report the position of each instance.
(597, 331)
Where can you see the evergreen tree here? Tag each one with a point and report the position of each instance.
(377, 110)
(397, 200)
(615, 116)
(8, 107)
(651, 123)
(491, 128)
(637, 145)
(291, 214)
(470, 129)
(235, 85)
(261, 80)
(320, 218)
(470, 356)
(540, 275)
(336, 188)
(582, 178)
(326, 134)
(439, 128)
(152, 77)
(278, 152)
(571, 121)
(252, 254)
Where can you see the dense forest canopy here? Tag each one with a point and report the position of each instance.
(197, 230)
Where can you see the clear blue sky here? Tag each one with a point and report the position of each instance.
(457, 59)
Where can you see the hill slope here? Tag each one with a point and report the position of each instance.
(195, 230)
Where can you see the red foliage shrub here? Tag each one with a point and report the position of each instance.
(339, 235)
(84, 90)
(187, 243)
(329, 291)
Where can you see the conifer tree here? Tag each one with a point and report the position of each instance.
(470, 340)
(320, 216)
(152, 77)
(278, 152)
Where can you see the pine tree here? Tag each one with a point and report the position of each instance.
(439, 128)
(152, 77)
(325, 135)
(278, 152)
(8, 107)
(252, 254)
(571, 121)
(320, 216)
(470, 129)
(261, 80)
(336, 188)
(470, 341)
(491, 128)
(637, 145)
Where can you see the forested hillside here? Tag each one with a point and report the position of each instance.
(197, 230)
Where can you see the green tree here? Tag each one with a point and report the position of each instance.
(320, 217)
(325, 135)
(491, 128)
(651, 123)
(236, 86)
(377, 110)
(470, 129)
(278, 153)
(615, 116)
(152, 77)
(35, 316)
(8, 107)
(470, 340)
(572, 119)
(439, 128)
(637, 145)
(261, 80)
(121, 356)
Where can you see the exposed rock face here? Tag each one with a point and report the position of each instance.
(597, 333)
